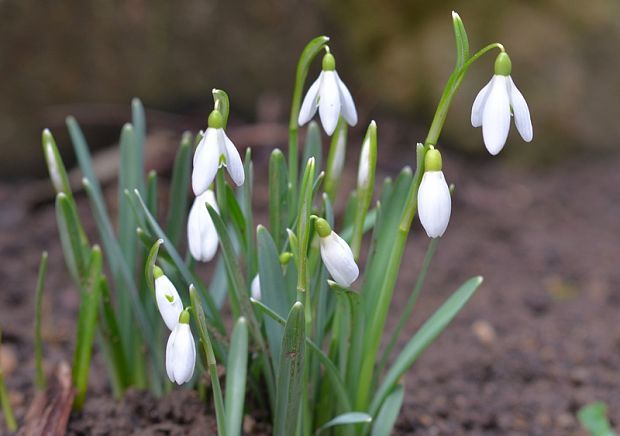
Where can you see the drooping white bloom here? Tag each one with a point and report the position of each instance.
(214, 150)
(201, 234)
(255, 287)
(493, 106)
(330, 96)
(336, 254)
(181, 352)
(434, 203)
(168, 300)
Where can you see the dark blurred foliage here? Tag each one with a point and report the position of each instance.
(55, 57)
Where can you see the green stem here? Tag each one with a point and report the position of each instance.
(5, 403)
(450, 89)
(38, 341)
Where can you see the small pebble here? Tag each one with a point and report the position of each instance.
(484, 332)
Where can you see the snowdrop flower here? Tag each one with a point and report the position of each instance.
(336, 254)
(181, 351)
(493, 104)
(330, 96)
(201, 234)
(168, 299)
(434, 203)
(255, 287)
(213, 151)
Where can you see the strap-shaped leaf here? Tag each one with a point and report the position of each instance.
(177, 206)
(236, 373)
(278, 195)
(290, 373)
(424, 337)
(347, 419)
(388, 414)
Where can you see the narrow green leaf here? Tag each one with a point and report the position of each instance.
(236, 217)
(312, 144)
(335, 159)
(347, 419)
(177, 206)
(5, 402)
(74, 247)
(38, 339)
(278, 195)
(303, 225)
(273, 288)
(207, 347)
(152, 196)
(330, 369)
(386, 418)
(462, 43)
(236, 373)
(244, 195)
(138, 120)
(424, 337)
(291, 372)
(87, 325)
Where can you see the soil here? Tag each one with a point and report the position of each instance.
(539, 340)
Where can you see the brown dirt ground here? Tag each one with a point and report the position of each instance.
(539, 340)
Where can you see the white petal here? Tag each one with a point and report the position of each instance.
(434, 203)
(310, 103)
(170, 355)
(349, 113)
(521, 112)
(496, 115)
(201, 234)
(206, 162)
(184, 354)
(329, 101)
(233, 162)
(255, 287)
(169, 310)
(338, 259)
(478, 106)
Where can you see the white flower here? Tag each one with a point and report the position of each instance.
(434, 203)
(364, 165)
(181, 352)
(213, 151)
(336, 254)
(255, 287)
(201, 234)
(332, 98)
(168, 300)
(492, 108)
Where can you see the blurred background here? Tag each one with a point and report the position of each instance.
(540, 222)
(89, 58)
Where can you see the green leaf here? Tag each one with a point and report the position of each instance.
(38, 338)
(593, 418)
(244, 195)
(335, 159)
(303, 224)
(312, 144)
(330, 369)
(86, 327)
(74, 248)
(290, 373)
(424, 337)
(177, 206)
(139, 124)
(236, 373)
(347, 419)
(278, 195)
(151, 192)
(221, 104)
(236, 216)
(205, 341)
(273, 288)
(462, 43)
(384, 424)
